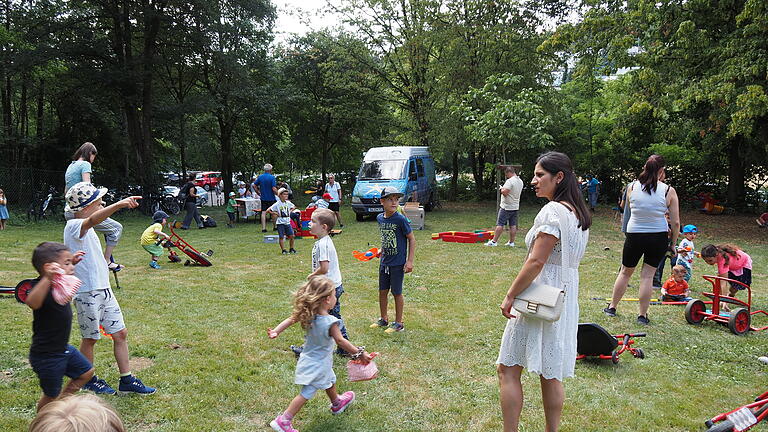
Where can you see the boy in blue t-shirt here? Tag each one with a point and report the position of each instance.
(396, 258)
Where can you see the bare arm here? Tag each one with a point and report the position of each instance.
(87, 177)
(411, 252)
(346, 345)
(505, 191)
(542, 248)
(273, 333)
(674, 214)
(100, 215)
(321, 269)
(37, 295)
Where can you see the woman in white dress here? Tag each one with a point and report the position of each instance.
(556, 244)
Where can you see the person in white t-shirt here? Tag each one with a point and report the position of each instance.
(282, 211)
(334, 203)
(510, 204)
(325, 262)
(95, 302)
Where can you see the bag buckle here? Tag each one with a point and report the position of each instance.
(532, 307)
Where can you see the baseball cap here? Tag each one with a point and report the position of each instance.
(326, 196)
(281, 190)
(690, 229)
(159, 216)
(390, 190)
(81, 195)
(232, 194)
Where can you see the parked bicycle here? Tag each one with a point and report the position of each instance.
(46, 207)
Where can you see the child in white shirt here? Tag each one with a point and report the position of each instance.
(282, 210)
(686, 252)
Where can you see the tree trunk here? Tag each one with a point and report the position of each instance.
(39, 129)
(735, 172)
(183, 146)
(226, 128)
(454, 176)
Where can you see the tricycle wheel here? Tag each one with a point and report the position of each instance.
(739, 321)
(199, 258)
(639, 353)
(723, 426)
(694, 311)
(615, 357)
(23, 288)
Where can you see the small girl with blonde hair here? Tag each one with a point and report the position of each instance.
(314, 370)
(78, 413)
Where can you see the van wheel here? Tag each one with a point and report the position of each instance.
(207, 187)
(359, 217)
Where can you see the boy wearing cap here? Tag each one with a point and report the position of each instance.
(151, 234)
(231, 204)
(396, 258)
(282, 211)
(95, 303)
(687, 251)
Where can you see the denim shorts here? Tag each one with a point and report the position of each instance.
(284, 230)
(52, 368)
(506, 217)
(391, 278)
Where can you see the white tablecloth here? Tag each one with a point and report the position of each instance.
(249, 207)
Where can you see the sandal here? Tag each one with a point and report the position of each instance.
(115, 267)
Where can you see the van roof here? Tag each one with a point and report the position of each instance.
(395, 152)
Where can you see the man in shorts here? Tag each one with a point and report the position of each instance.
(334, 203)
(266, 187)
(508, 208)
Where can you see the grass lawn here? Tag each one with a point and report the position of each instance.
(198, 334)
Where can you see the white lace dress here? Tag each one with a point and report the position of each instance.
(549, 348)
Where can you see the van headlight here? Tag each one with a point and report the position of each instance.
(356, 200)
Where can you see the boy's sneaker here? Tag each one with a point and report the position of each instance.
(491, 243)
(98, 386)
(510, 244)
(154, 265)
(279, 424)
(285, 252)
(380, 323)
(297, 350)
(133, 385)
(395, 327)
(611, 312)
(344, 401)
(763, 359)
(643, 320)
(292, 251)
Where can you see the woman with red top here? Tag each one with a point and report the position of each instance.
(732, 262)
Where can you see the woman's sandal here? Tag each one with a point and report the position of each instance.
(115, 267)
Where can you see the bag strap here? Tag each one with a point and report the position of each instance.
(562, 212)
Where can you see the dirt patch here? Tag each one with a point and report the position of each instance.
(6, 375)
(175, 346)
(421, 288)
(139, 363)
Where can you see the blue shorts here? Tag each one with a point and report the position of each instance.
(51, 368)
(284, 230)
(506, 217)
(391, 278)
(308, 391)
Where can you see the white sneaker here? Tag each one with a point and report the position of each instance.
(763, 359)
(491, 243)
(510, 244)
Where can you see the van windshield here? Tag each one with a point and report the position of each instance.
(381, 170)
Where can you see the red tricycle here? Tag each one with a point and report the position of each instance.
(182, 245)
(594, 341)
(742, 418)
(738, 320)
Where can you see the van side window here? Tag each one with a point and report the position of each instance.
(411, 168)
(420, 167)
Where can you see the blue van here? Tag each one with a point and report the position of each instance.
(409, 169)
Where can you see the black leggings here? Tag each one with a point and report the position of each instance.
(650, 246)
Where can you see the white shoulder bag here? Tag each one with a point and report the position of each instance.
(542, 301)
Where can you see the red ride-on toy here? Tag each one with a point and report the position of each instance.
(23, 288)
(594, 341)
(183, 246)
(738, 320)
(742, 418)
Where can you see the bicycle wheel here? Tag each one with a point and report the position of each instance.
(171, 205)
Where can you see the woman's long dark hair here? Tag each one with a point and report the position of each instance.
(650, 175)
(567, 190)
(85, 151)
